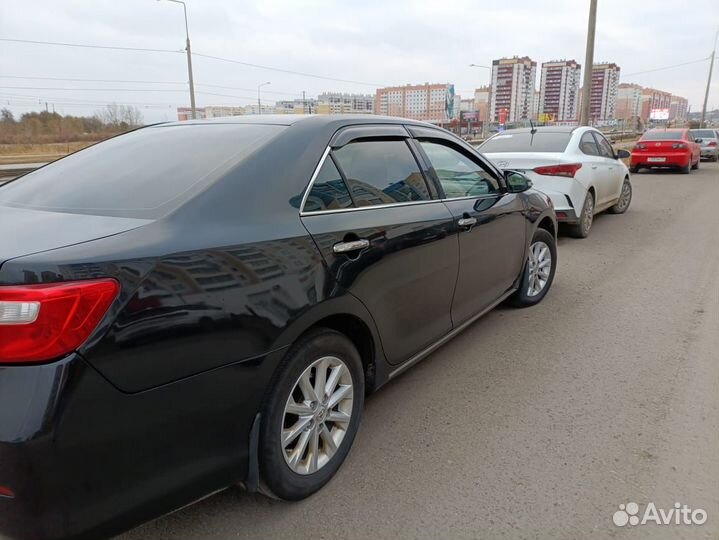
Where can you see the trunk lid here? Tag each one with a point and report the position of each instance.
(525, 160)
(27, 231)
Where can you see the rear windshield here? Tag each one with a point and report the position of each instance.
(703, 134)
(526, 142)
(662, 135)
(144, 173)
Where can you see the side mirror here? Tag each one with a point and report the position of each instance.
(623, 154)
(517, 182)
(698, 140)
(612, 141)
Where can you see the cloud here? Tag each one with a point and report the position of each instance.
(374, 41)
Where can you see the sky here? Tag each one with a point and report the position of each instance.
(365, 43)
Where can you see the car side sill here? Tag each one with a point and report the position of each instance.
(444, 339)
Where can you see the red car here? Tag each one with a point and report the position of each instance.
(666, 148)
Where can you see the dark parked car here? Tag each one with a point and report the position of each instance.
(195, 305)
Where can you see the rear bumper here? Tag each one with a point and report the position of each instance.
(709, 152)
(84, 460)
(671, 159)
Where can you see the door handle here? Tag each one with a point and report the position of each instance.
(348, 247)
(466, 221)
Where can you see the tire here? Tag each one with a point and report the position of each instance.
(696, 165)
(586, 218)
(684, 170)
(625, 199)
(524, 296)
(634, 169)
(279, 477)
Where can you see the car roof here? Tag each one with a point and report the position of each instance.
(318, 120)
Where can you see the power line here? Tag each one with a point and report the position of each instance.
(289, 71)
(666, 67)
(65, 89)
(200, 55)
(72, 79)
(130, 81)
(90, 46)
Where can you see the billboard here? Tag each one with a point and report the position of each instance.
(659, 114)
(449, 102)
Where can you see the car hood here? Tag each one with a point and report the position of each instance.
(26, 231)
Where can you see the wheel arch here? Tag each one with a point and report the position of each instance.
(348, 316)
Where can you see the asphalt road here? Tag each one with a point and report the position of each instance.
(538, 423)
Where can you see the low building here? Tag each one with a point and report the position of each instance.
(339, 103)
(211, 111)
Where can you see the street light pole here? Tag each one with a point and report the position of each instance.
(709, 81)
(189, 59)
(588, 63)
(259, 101)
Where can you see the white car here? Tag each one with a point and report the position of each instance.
(575, 166)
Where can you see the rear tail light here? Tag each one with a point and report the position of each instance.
(640, 146)
(565, 169)
(47, 321)
(679, 145)
(713, 143)
(6, 492)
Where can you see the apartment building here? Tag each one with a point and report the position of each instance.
(629, 101)
(603, 94)
(653, 99)
(481, 102)
(513, 87)
(679, 109)
(427, 102)
(559, 90)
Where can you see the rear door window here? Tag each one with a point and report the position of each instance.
(588, 145)
(605, 149)
(381, 172)
(459, 175)
(329, 191)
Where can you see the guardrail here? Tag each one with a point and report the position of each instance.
(8, 172)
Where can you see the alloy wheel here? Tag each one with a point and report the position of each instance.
(625, 197)
(540, 267)
(317, 415)
(588, 215)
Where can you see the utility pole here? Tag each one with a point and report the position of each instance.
(588, 63)
(189, 59)
(304, 103)
(709, 81)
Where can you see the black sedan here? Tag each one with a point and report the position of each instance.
(192, 306)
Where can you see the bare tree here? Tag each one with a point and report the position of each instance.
(120, 116)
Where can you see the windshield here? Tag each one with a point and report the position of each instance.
(139, 174)
(526, 142)
(662, 135)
